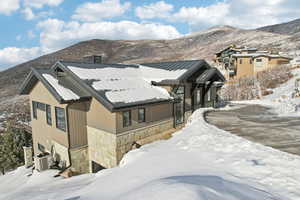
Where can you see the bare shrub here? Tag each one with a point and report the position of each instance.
(254, 87)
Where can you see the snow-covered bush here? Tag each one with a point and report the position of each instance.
(254, 87)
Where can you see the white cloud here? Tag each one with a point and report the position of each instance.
(28, 14)
(91, 12)
(158, 9)
(12, 55)
(57, 34)
(41, 3)
(239, 13)
(9, 6)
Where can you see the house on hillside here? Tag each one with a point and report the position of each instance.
(236, 62)
(88, 115)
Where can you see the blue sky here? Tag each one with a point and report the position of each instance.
(31, 28)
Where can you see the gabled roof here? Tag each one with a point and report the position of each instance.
(47, 78)
(208, 74)
(115, 86)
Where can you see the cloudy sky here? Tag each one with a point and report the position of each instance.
(30, 28)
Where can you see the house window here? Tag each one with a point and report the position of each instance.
(241, 61)
(34, 112)
(48, 114)
(208, 95)
(141, 115)
(126, 118)
(259, 60)
(41, 147)
(198, 97)
(60, 118)
(41, 106)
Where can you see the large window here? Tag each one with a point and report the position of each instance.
(34, 107)
(141, 115)
(48, 114)
(41, 106)
(60, 118)
(126, 118)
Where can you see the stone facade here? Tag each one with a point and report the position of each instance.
(102, 147)
(28, 156)
(135, 138)
(80, 160)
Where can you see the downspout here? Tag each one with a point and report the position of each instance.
(69, 140)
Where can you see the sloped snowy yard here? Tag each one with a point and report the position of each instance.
(199, 162)
(281, 100)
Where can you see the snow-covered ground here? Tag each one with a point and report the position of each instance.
(199, 162)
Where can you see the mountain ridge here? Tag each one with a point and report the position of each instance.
(199, 45)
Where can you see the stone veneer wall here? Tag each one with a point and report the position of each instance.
(80, 160)
(141, 136)
(102, 147)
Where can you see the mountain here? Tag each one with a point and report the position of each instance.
(198, 45)
(288, 28)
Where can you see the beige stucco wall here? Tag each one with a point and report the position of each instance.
(100, 117)
(244, 69)
(261, 66)
(154, 114)
(42, 132)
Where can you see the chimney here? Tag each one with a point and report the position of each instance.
(93, 59)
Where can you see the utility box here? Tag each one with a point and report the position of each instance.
(41, 163)
(28, 156)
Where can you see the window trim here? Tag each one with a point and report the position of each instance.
(130, 118)
(56, 119)
(48, 118)
(144, 115)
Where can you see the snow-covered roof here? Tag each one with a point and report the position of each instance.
(128, 84)
(64, 92)
(114, 85)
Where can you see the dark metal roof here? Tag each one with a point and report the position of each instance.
(175, 65)
(208, 74)
(95, 66)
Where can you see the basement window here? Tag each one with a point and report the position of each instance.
(259, 60)
(126, 118)
(60, 118)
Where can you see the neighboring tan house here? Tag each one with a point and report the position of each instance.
(88, 115)
(241, 62)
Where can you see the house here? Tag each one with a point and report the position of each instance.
(296, 62)
(88, 115)
(241, 62)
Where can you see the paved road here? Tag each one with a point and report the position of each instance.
(258, 124)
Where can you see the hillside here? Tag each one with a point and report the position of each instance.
(194, 46)
(288, 28)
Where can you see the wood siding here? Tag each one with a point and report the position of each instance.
(77, 124)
